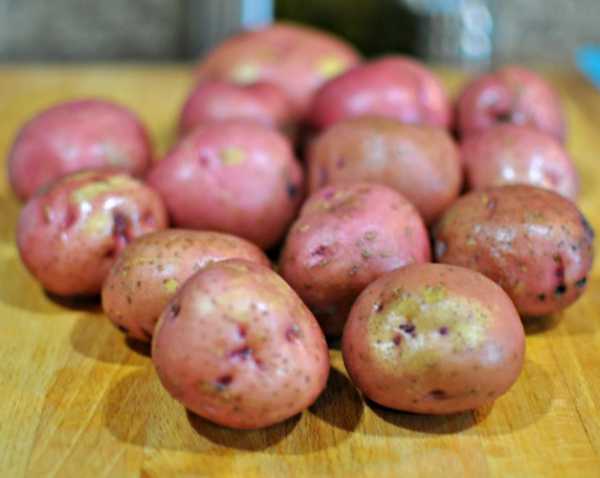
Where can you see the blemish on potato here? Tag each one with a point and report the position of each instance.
(581, 282)
(170, 285)
(438, 394)
(245, 73)
(232, 156)
(173, 311)
(330, 66)
(223, 382)
(440, 248)
(293, 333)
(370, 235)
(292, 190)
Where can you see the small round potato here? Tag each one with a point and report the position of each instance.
(512, 94)
(395, 87)
(219, 100)
(238, 347)
(294, 57)
(420, 162)
(233, 176)
(73, 136)
(531, 241)
(509, 154)
(151, 268)
(70, 234)
(346, 237)
(433, 338)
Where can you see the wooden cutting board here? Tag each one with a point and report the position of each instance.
(78, 400)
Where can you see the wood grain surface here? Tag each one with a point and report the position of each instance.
(78, 400)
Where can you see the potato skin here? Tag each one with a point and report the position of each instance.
(73, 136)
(512, 94)
(346, 237)
(510, 154)
(238, 347)
(149, 271)
(395, 87)
(297, 58)
(420, 162)
(70, 234)
(433, 338)
(234, 176)
(531, 241)
(218, 100)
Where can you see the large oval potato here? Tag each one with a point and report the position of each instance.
(510, 154)
(233, 176)
(512, 94)
(218, 100)
(420, 162)
(394, 87)
(533, 242)
(238, 347)
(433, 338)
(296, 58)
(70, 234)
(150, 270)
(73, 136)
(346, 237)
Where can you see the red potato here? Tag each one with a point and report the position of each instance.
(421, 162)
(238, 347)
(150, 270)
(510, 154)
(394, 87)
(533, 242)
(70, 234)
(218, 100)
(73, 136)
(346, 237)
(432, 338)
(512, 94)
(296, 58)
(237, 177)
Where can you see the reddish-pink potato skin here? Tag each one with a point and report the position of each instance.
(150, 269)
(296, 58)
(233, 176)
(421, 162)
(70, 234)
(346, 237)
(434, 339)
(218, 100)
(238, 347)
(73, 136)
(533, 242)
(510, 154)
(394, 87)
(511, 94)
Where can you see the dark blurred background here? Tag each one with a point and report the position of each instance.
(473, 32)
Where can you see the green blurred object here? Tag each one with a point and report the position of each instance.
(375, 27)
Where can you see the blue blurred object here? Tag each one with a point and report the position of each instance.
(587, 59)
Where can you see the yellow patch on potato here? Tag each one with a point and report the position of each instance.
(170, 285)
(232, 156)
(90, 191)
(98, 224)
(245, 73)
(330, 66)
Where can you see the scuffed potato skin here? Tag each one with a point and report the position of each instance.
(220, 100)
(70, 234)
(238, 347)
(150, 270)
(395, 87)
(532, 242)
(345, 238)
(297, 58)
(422, 163)
(73, 136)
(234, 176)
(435, 339)
(512, 94)
(509, 154)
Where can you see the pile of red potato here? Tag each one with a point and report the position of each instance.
(354, 226)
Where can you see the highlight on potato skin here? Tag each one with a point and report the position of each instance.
(433, 339)
(237, 346)
(533, 242)
(71, 233)
(346, 237)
